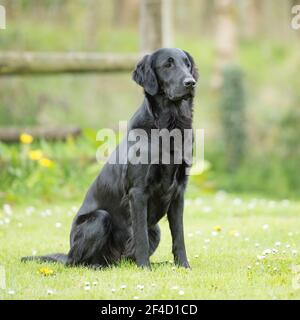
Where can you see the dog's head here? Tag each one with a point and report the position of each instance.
(171, 72)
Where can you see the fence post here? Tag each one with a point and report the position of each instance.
(155, 24)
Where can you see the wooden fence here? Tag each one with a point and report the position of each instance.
(18, 63)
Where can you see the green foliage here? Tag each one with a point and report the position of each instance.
(23, 172)
(232, 110)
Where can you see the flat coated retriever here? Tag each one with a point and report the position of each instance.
(120, 213)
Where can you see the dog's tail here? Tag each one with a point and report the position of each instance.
(56, 257)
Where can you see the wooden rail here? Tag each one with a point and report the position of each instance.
(17, 63)
(12, 134)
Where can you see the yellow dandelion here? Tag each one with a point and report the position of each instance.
(35, 155)
(26, 138)
(45, 271)
(46, 163)
(217, 228)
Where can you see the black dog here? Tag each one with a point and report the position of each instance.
(119, 216)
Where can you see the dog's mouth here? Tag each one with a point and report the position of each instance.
(181, 97)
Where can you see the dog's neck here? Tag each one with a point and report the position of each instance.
(170, 114)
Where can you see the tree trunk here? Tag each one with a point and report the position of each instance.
(92, 23)
(226, 37)
(125, 12)
(251, 12)
(155, 24)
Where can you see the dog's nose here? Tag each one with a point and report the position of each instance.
(189, 82)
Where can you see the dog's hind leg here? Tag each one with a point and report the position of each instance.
(89, 237)
(154, 238)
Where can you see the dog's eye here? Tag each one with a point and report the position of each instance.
(169, 63)
(187, 63)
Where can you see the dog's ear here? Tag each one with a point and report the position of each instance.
(194, 69)
(144, 75)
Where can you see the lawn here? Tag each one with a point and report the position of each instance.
(239, 248)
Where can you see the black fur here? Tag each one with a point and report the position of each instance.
(120, 213)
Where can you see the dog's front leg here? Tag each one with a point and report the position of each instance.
(138, 210)
(175, 217)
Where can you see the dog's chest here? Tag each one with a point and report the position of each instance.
(164, 183)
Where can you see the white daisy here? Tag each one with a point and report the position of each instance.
(57, 225)
(267, 251)
(50, 292)
(261, 257)
(7, 209)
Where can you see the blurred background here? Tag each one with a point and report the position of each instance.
(247, 99)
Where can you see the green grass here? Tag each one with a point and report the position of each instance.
(224, 266)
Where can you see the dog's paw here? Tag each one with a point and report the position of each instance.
(144, 265)
(183, 264)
